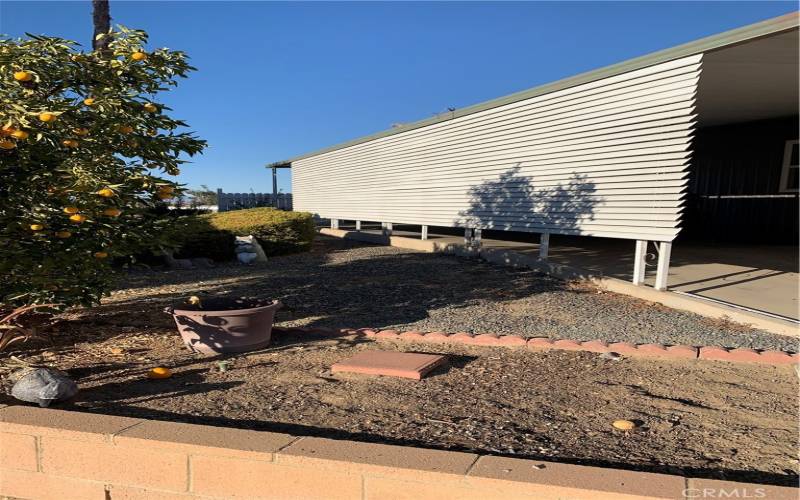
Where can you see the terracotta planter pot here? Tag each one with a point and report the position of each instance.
(225, 330)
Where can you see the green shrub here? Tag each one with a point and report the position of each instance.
(278, 232)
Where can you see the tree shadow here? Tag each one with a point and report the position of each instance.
(142, 389)
(512, 202)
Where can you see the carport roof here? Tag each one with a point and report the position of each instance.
(725, 39)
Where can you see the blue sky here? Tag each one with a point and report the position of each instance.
(280, 79)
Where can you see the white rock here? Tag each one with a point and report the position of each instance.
(250, 245)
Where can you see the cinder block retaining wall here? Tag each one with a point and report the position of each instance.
(54, 454)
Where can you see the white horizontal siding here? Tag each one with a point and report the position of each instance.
(606, 158)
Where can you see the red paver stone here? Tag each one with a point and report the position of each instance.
(744, 355)
(655, 350)
(778, 357)
(413, 336)
(540, 343)
(461, 338)
(682, 351)
(623, 348)
(486, 339)
(567, 345)
(390, 363)
(595, 346)
(511, 340)
(387, 334)
(714, 352)
(437, 337)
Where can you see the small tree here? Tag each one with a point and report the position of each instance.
(82, 142)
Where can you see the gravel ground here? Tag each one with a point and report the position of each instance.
(348, 284)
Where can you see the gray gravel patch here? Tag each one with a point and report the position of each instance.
(347, 284)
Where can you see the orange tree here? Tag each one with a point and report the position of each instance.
(84, 143)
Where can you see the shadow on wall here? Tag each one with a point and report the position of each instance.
(512, 202)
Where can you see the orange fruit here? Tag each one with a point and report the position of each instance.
(47, 117)
(125, 129)
(159, 372)
(166, 189)
(70, 143)
(624, 425)
(106, 193)
(100, 255)
(164, 196)
(150, 107)
(22, 76)
(19, 134)
(7, 130)
(138, 56)
(63, 234)
(152, 133)
(88, 101)
(112, 212)
(80, 131)
(6, 144)
(71, 210)
(77, 218)
(36, 227)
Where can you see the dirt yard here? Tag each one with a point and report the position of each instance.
(700, 418)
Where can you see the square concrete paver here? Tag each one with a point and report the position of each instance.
(391, 364)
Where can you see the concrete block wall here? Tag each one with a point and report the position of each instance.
(54, 454)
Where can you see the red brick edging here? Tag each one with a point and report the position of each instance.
(739, 355)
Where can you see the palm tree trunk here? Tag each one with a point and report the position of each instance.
(102, 23)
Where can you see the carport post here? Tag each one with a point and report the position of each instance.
(544, 245)
(387, 228)
(334, 223)
(639, 262)
(664, 251)
(467, 236)
(424, 232)
(476, 237)
(358, 225)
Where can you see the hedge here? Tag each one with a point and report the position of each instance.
(279, 232)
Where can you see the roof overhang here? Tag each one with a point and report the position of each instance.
(754, 80)
(770, 27)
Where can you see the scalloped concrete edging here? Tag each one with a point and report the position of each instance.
(506, 257)
(737, 355)
(54, 454)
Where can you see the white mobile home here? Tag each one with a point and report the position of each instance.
(701, 137)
